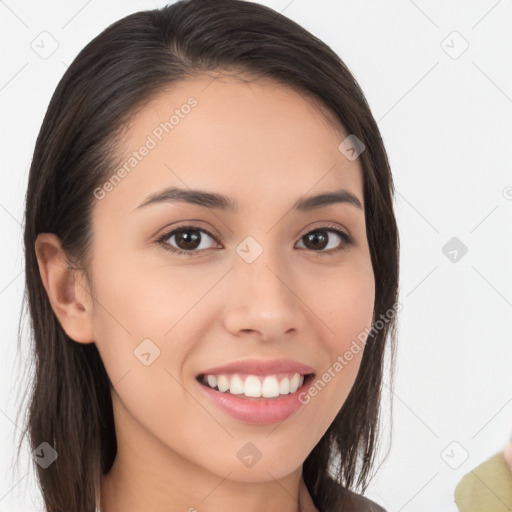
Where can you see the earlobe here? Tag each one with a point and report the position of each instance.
(69, 299)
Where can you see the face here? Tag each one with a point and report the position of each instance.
(262, 281)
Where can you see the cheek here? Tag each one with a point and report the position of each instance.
(136, 301)
(140, 331)
(345, 307)
(346, 303)
(135, 315)
(145, 323)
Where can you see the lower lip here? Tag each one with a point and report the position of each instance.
(260, 411)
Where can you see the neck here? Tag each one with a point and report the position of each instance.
(119, 492)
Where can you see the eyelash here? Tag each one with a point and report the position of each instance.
(347, 239)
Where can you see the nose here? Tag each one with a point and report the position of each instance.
(263, 301)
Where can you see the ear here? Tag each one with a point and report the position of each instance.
(69, 298)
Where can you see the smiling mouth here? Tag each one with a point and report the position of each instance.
(257, 388)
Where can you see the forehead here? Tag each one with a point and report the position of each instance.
(251, 137)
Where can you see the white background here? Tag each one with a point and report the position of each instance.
(447, 126)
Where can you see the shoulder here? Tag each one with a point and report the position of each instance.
(359, 503)
(352, 501)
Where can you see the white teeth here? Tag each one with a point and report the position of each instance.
(270, 387)
(222, 383)
(294, 383)
(284, 386)
(254, 386)
(236, 386)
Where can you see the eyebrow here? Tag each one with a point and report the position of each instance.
(220, 202)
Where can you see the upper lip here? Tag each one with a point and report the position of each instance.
(260, 367)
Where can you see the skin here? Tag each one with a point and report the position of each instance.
(507, 454)
(265, 146)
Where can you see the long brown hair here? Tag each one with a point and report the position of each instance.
(112, 77)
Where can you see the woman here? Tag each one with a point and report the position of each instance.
(212, 270)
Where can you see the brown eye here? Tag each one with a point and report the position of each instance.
(188, 240)
(321, 239)
(191, 240)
